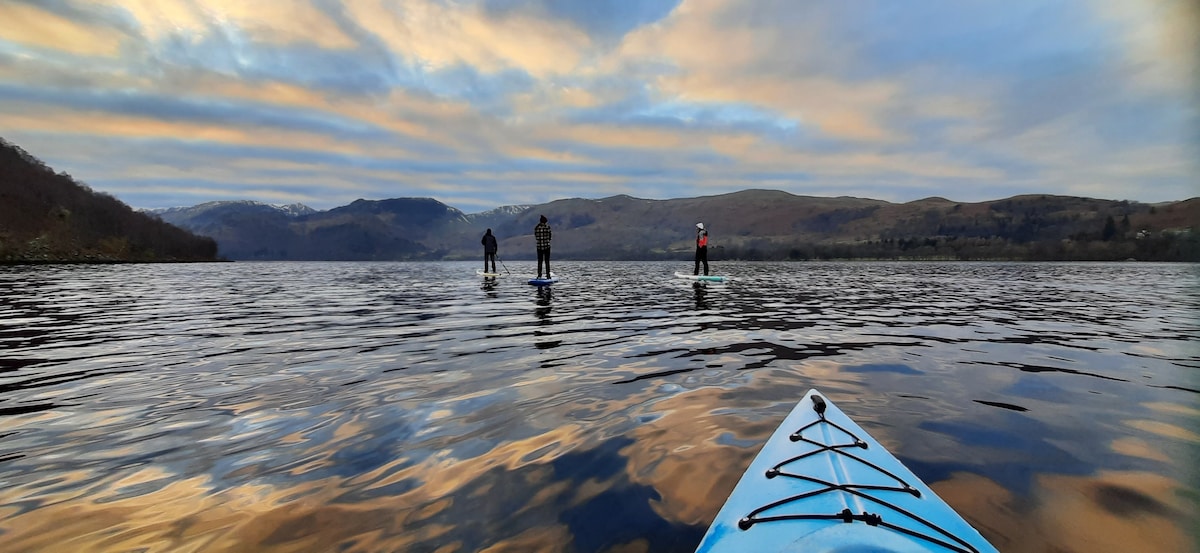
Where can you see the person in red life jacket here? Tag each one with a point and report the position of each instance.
(701, 249)
(541, 235)
(489, 250)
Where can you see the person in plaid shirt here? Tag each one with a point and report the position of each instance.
(541, 234)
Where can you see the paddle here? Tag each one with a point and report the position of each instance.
(502, 264)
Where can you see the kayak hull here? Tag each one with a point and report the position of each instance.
(821, 483)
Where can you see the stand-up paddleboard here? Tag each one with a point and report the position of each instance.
(481, 273)
(705, 278)
(544, 281)
(821, 483)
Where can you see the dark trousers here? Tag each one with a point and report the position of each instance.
(489, 257)
(544, 256)
(701, 255)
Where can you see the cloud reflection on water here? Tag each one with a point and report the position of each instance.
(312, 407)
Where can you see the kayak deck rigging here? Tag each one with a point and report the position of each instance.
(936, 534)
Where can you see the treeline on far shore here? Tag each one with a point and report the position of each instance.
(1163, 247)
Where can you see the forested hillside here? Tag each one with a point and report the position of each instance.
(50, 217)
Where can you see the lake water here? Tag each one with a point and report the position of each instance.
(416, 407)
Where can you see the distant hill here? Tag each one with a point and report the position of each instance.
(623, 227)
(243, 229)
(46, 216)
(495, 217)
(751, 224)
(169, 213)
(768, 224)
(49, 217)
(365, 230)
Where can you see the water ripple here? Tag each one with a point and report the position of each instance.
(409, 406)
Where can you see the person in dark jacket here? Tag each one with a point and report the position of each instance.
(541, 235)
(489, 250)
(701, 249)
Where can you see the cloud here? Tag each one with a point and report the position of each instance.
(35, 26)
(600, 19)
(436, 35)
(525, 101)
(276, 22)
(198, 110)
(767, 55)
(1159, 40)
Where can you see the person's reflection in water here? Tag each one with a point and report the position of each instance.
(543, 304)
(701, 290)
(489, 286)
(542, 312)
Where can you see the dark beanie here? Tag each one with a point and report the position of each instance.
(543, 218)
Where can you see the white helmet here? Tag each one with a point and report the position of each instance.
(700, 226)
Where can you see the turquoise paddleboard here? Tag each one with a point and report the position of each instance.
(821, 483)
(706, 278)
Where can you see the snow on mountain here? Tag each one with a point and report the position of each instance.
(291, 210)
(295, 210)
(502, 211)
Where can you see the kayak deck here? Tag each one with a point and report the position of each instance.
(821, 483)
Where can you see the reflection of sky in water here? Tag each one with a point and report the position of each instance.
(321, 406)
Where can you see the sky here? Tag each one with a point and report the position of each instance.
(486, 103)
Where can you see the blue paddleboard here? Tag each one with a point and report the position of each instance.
(821, 483)
(543, 281)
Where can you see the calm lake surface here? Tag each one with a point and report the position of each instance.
(416, 407)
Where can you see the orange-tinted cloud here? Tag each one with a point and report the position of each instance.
(281, 22)
(763, 65)
(440, 35)
(32, 25)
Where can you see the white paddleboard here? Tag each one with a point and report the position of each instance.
(705, 278)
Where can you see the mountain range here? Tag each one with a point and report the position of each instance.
(750, 224)
(49, 217)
